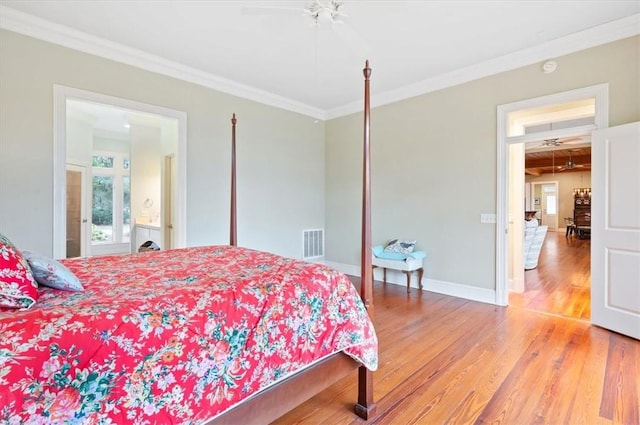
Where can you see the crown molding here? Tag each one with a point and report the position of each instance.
(13, 20)
(23, 23)
(592, 37)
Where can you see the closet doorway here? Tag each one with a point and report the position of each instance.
(79, 143)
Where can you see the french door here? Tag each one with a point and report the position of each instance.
(615, 229)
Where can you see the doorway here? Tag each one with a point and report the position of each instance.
(511, 172)
(545, 203)
(556, 278)
(122, 218)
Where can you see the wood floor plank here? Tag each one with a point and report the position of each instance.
(590, 380)
(508, 401)
(552, 384)
(560, 404)
(620, 395)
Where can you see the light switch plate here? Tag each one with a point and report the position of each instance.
(487, 218)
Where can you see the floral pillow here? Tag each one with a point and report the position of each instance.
(51, 273)
(18, 289)
(400, 246)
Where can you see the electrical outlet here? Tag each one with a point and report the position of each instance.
(487, 218)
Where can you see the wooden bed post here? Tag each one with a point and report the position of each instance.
(366, 270)
(233, 233)
(366, 408)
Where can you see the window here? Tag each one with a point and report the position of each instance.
(126, 207)
(552, 204)
(102, 209)
(102, 161)
(111, 199)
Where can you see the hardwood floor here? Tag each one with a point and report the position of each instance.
(445, 360)
(561, 284)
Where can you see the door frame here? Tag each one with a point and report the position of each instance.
(168, 203)
(601, 94)
(60, 96)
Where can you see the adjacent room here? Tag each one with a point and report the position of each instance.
(320, 212)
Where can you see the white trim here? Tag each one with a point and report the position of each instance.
(60, 96)
(30, 25)
(602, 34)
(467, 292)
(601, 94)
(562, 133)
(452, 289)
(23, 23)
(58, 180)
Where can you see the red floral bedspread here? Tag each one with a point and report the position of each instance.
(173, 336)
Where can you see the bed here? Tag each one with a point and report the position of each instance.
(215, 334)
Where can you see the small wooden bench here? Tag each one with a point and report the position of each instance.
(407, 266)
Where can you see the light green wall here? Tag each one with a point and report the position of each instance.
(434, 161)
(280, 154)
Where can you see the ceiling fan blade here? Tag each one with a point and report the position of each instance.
(572, 141)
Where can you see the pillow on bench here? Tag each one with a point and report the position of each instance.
(380, 252)
(400, 246)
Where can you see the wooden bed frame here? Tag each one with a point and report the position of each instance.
(275, 401)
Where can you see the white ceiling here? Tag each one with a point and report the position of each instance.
(262, 51)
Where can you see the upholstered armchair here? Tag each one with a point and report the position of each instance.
(533, 240)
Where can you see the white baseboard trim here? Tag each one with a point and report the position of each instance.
(349, 269)
(458, 290)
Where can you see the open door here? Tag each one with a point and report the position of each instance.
(76, 208)
(615, 232)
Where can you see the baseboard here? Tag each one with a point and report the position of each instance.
(458, 290)
(349, 269)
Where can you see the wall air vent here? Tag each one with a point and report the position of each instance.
(312, 243)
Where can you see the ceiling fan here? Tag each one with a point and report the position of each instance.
(555, 142)
(325, 11)
(570, 165)
(321, 12)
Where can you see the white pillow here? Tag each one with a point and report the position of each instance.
(49, 272)
(400, 246)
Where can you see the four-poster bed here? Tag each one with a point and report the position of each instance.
(216, 335)
(281, 398)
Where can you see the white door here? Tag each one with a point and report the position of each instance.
(615, 229)
(550, 206)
